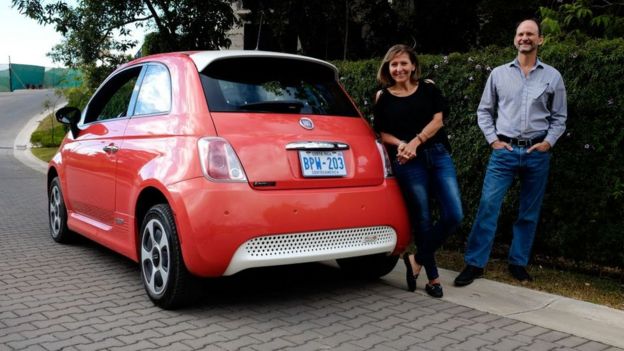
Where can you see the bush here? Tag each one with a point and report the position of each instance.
(48, 137)
(583, 207)
(78, 96)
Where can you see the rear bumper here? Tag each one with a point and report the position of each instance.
(274, 250)
(219, 223)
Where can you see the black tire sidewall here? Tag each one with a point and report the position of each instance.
(63, 234)
(173, 294)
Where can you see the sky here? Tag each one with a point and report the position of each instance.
(22, 38)
(26, 41)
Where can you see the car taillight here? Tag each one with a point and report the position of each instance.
(219, 161)
(386, 160)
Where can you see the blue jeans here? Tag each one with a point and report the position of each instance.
(504, 165)
(431, 175)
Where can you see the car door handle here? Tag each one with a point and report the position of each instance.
(111, 149)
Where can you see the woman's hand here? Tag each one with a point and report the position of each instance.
(406, 151)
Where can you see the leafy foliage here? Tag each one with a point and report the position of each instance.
(325, 29)
(357, 29)
(352, 29)
(581, 19)
(96, 32)
(583, 209)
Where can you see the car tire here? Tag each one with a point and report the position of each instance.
(368, 267)
(57, 214)
(164, 275)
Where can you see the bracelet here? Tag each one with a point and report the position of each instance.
(422, 141)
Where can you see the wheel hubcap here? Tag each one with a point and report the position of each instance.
(155, 257)
(55, 211)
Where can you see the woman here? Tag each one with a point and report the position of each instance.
(409, 115)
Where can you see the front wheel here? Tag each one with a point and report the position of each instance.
(368, 267)
(164, 276)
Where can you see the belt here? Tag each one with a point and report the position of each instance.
(521, 142)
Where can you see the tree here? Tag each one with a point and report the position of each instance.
(280, 25)
(272, 25)
(96, 32)
(377, 23)
(498, 18)
(581, 19)
(432, 26)
(329, 29)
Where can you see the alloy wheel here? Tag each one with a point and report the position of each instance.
(155, 257)
(55, 211)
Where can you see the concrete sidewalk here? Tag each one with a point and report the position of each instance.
(22, 145)
(583, 319)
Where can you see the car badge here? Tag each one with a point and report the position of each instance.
(306, 123)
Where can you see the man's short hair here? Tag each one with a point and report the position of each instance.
(539, 25)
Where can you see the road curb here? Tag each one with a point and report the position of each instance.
(580, 318)
(22, 146)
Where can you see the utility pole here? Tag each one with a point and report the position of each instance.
(346, 39)
(10, 76)
(259, 30)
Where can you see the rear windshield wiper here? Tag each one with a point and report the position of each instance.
(286, 106)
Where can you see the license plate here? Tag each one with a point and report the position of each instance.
(322, 163)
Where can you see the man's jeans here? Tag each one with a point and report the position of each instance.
(431, 175)
(532, 170)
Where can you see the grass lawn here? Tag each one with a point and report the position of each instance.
(596, 288)
(600, 288)
(44, 153)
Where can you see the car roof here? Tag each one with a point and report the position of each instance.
(204, 58)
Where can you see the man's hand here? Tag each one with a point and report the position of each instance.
(541, 147)
(501, 144)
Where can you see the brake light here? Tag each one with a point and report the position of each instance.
(386, 160)
(219, 161)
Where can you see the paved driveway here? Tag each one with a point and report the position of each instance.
(85, 297)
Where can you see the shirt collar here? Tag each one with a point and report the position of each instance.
(516, 63)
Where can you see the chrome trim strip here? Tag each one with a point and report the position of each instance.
(317, 145)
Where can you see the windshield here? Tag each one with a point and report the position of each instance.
(277, 85)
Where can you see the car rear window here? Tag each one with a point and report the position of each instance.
(277, 85)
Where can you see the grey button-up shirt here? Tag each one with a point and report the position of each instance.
(520, 106)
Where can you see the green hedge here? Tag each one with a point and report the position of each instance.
(583, 211)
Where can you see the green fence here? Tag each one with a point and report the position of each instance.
(17, 76)
(4, 77)
(62, 78)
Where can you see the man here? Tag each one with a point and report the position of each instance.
(522, 113)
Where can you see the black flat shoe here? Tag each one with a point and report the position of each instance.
(434, 290)
(409, 274)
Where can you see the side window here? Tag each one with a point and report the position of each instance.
(113, 99)
(155, 93)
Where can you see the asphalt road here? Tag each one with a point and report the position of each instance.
(16, 108)
(85, 297)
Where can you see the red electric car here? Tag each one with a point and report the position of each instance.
(203, 164)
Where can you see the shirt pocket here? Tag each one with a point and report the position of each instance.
(539, 91)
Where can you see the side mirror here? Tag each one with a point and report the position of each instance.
(69, 116)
